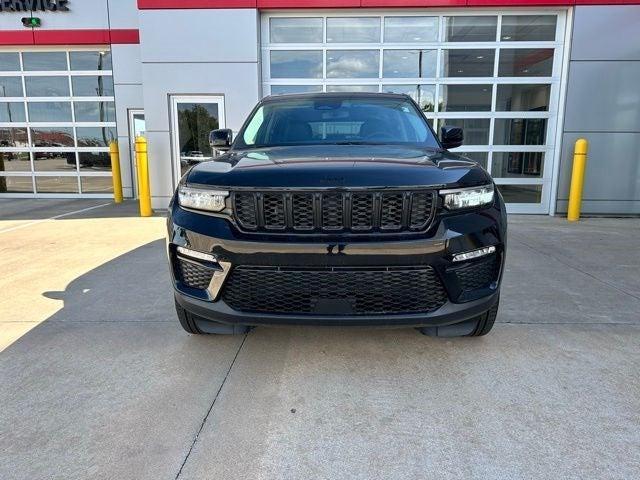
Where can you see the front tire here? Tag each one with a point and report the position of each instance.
(475, 327)
(197, 325)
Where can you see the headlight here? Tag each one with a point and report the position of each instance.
(467, 197)
(201, 199)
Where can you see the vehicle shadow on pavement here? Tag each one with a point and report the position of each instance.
(109, 386)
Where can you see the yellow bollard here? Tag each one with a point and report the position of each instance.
(143, 177)
(115, 171)
(577, 179)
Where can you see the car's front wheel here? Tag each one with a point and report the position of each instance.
(474, 327)
(197, 325)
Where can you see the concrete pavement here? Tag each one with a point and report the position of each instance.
(98, 381)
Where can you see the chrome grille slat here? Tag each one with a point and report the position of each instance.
(348, 211)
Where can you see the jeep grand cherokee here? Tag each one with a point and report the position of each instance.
(337, 209)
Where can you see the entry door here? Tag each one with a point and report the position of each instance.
(137, 127)
(193, 117)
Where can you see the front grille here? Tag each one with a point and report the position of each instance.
(477, 274)
(192, 274)
(327, 212)
(334, 291)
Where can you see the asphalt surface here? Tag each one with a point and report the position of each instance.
(98, 381)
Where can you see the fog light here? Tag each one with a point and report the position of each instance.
(481, 252)
(187, 252)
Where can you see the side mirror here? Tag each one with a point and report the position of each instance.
(451, 137)
(221, 139)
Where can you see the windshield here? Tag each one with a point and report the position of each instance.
(338, 121)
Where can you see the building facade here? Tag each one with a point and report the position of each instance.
(524, 79)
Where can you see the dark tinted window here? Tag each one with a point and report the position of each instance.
(335, 120)
(95, 111)
(471, 29)
(528, 28)
(10, 87)
(92, 86)
(12, 112)
(9, 62)
(34, 61)
(523, 98)
(95, 136)
(90, 60)
(13, 137)
(52, 136)
(47, 86)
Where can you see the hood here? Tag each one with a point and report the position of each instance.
(322, 166)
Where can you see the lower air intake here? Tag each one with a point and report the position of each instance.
(334, 291)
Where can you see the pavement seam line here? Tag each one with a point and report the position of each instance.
(36, 222)
(204, 420)
(566, 264)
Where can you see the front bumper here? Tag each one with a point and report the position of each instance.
(448, 236)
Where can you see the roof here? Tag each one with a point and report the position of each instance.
(342, 95)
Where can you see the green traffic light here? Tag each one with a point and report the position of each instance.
(31, 22)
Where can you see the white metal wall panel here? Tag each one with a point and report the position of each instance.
(216, 35)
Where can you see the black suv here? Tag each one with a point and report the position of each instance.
(337, 209)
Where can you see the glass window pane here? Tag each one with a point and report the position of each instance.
(528, 28)
(296, 64)
(12, 112)
(476, 130)
(47, 86)
(16, 185)
(49, 111)
(195, 121)
(15, 162)
(523, 98)
(352, 88)
(96, 184)
(295, 30)
(94, 161)
(353, 63)
(57, 184)
(34, 61)
(467, 63)
(517, 164)
(521, 193)
(409, 63)
(13, 137)
(353, 30)
(95, 111)
(10, 87)
(95, 136)
(424, 95)
(478, 157)
(471, 29)
(519, 131)
(465, 98)
(92, 86)
(90, 60)
(282, 89)
(52, 137)
(525, 62)
(9, 62)
(410, 29)
(54, 161)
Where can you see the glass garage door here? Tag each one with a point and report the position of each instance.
(57, 118)
(495, 75)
